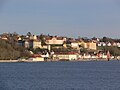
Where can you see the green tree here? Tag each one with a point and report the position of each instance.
(9, 51)
(42, 38)
(113, 50)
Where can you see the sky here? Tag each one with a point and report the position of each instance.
(72, 18)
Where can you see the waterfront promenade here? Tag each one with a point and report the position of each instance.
(50, 60)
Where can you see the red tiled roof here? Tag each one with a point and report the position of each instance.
(50, 37)
(74, 41)
(59, 38)
(66, 53)
(36, 55)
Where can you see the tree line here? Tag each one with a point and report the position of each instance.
(8, 51)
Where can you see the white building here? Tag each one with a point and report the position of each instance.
(65, 56)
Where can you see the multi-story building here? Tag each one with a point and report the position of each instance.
(32, 42)
(55, 42)
(35, 44)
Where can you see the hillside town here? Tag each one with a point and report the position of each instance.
(61, 48)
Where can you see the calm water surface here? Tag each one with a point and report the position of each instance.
(93, 75)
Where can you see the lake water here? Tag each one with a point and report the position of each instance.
(94, 75)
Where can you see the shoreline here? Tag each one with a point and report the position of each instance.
(84, 60)
(8, 61)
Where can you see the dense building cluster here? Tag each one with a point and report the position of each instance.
(63, 48)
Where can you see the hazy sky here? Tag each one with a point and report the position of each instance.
(85, 18)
